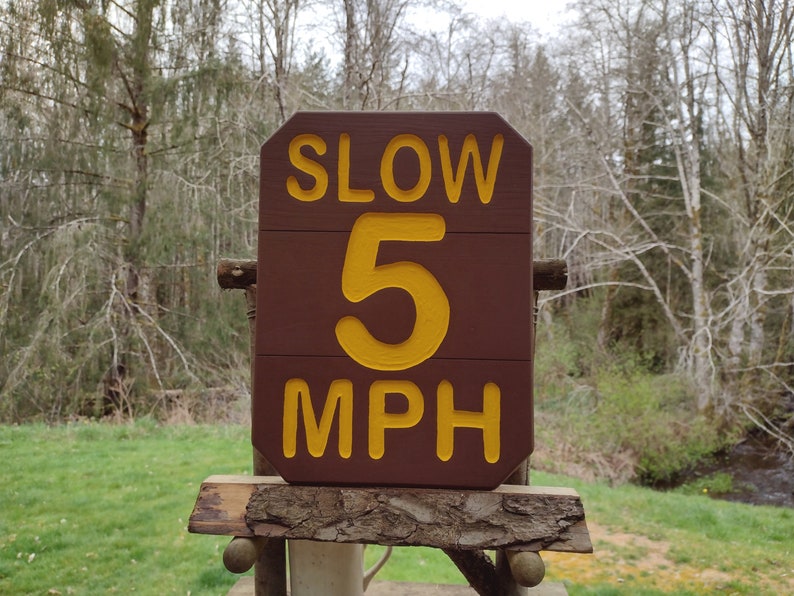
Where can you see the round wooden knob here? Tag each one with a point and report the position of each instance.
(526, 567)
(241, 554)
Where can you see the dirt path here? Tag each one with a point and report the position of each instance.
(627, 561)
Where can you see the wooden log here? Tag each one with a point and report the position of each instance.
(527, 568)
(549, 274)
(242, 553)
(523, 518)
(270, 568)
(478, 569)
(235, 274)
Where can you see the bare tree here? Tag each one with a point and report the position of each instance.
(755, 86)
(271, 25)
(468, 63)
(694, 188)
(88, 83)
(643, 126)
(374, 56)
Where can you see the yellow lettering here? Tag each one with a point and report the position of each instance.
(362, 277)
(380, 419)
(340, 393)
(453, 182)
(387, 168)
(309, 166)
(449, 419)
(345, 193)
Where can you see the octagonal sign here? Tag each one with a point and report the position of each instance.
(394, 309)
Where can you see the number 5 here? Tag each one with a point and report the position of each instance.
(361, 278)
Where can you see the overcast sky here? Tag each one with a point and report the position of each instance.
(544, 15)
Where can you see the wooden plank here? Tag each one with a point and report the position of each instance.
(510, 517)
(220, 507)
(466, 467)
(490, 295)
(302, 188)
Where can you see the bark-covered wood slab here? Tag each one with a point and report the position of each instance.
(509, 517)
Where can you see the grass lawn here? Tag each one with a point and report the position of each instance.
(95, 508)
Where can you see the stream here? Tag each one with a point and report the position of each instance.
(762, 473)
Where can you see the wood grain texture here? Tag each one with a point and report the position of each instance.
(509, 517)
(238, 274)
(369, 133)
(410, 457)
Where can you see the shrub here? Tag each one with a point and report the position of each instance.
(621, 423)
(654, 418)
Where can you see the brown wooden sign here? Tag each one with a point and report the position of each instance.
(394, 330)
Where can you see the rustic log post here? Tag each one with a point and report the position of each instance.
(270, 571)
(270, 575)
(478, 569)
(517, 572)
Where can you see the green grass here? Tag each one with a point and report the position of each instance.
(749, 549)
(97, 509)
(415, 564)
(94, 509)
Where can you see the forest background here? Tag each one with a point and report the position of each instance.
(664, 142)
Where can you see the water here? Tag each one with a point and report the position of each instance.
(762, 473)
